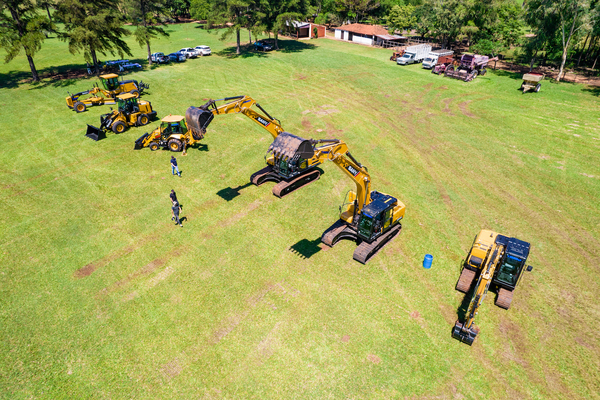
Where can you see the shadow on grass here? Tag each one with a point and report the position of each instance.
(230, 193)
(306, 248)
(594, 90)
(57, 76)
(285, 46)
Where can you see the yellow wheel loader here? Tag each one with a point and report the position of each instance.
(130, 112)
(111, 87)
(499, 261)
(173, 133)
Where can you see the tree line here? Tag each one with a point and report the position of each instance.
(557, 30)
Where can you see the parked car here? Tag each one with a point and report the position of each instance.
(177, 57)
(160, 58)
(189, 52)
(204, 50)
(262, 45)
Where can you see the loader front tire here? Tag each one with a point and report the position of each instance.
(135, 93)
(143, 120)
(118, 127)
(154, 146)
(80, 107)
(175, 145)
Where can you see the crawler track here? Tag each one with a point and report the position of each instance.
(365, 251)
(466, 280)
(284, 188)
(504, 298)
(264, 175)
(337, 232)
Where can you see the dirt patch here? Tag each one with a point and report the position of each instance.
(447, 106)
(306, 124)
(465, 110)
(332, 132)
(583, 343)
(147, 269)
(588, 175)
(327, 111)
(300, 77)
(172, 369)
(346, 338)
(374, 359)
(91, 267)
(253, 206)
(415, 315)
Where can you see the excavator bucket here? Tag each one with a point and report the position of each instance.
(139, 144)
(197, 120)
(95, 133)
(286, 146)
(463, 334)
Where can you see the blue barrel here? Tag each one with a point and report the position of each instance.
(427, 261)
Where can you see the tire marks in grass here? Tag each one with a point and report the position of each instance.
(224, 328)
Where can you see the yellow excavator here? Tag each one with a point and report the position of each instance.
(368, 217)
(111, 87)
(286, 180)
(499, 260)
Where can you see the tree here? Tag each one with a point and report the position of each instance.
(355, 10)
(401, 18)
(232, 13)
(277, 15)
(178, 8)
(22, 28)
(496, 26)
(443, 18)
(145, 15)
(200, 9)
(559, 18)
(93, 26)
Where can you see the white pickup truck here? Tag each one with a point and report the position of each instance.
(434, 56)
(413, 54)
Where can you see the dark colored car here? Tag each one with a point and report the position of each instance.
(262, 45)
(177, 57)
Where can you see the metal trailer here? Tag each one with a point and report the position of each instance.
(531, 81)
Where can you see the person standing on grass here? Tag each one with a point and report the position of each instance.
(176, 209)
(174, 166)
(173, 196)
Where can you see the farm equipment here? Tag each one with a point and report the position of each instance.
(111, 87)
(468, 68)
(442, 63)
(396, 54)
(531, 81)
(175, 132)
(499, 260)
(130, 112)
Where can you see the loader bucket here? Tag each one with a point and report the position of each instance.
(197, 120)
(464, 335)
(287, 146)
(139, 144)
(95, 133)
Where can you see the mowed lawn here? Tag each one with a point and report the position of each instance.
(102, 296)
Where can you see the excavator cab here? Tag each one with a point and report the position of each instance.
(127, 102)
(110, 81)
(376, 217)
(511, 267)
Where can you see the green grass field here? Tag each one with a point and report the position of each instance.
(102, 296)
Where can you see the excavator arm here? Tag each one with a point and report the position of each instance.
(467, 331)
(241, 105)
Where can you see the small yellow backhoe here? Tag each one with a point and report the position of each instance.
(130, 112)
(111, 87)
